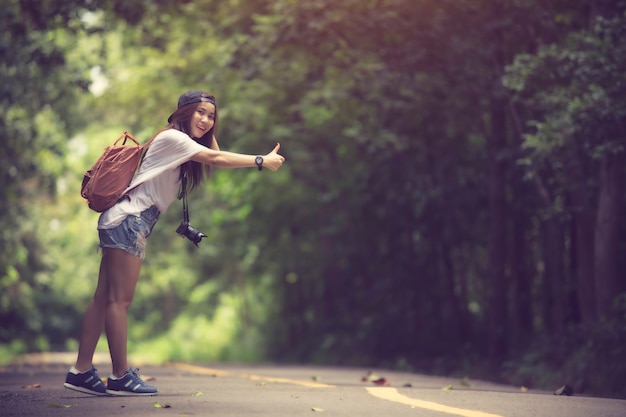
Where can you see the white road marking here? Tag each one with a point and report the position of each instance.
(216, 372)
(391, 394)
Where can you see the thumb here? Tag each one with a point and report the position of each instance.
(276, 148)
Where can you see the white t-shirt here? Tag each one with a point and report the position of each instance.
(158, 179)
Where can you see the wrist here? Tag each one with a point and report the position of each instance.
(259, 162)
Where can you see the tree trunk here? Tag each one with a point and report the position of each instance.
(497, 235)
(521, 295)
(582, 263)
(609, 280)
(553, 260)
(582, 202)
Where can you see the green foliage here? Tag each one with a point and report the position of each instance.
(578, 89)
(364, 176)
(588, 358)
(372, 244)
(40, 90)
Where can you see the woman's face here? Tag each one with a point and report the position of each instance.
(202, 120)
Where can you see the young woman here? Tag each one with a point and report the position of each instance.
(186, 147)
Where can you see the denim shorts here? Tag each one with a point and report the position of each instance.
(131, 235)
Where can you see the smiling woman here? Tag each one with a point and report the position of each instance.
(196, 108)
(202, 120)
(182, 152)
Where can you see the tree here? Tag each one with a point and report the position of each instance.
(576, 86)
(37, 111)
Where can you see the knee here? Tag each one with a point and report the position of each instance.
(99, 303)
(118, 304)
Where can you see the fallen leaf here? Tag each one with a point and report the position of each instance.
(317, 409)
(159, 405)
(57, 405)
(315, 378)
(381, 381)
(407, 385)
(197, 394)
(448, 388)
(32, 386)
(524, 389)
(146, 378)
(373, 377)
(465, 383)
(376, 379)
(564, 390)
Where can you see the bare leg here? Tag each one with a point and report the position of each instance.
(93, 323)
(122, 271)
(119, 272)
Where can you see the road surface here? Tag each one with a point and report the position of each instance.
(36, 389)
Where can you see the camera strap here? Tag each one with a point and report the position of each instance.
(183, 195)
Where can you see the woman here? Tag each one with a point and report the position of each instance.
(186, 147)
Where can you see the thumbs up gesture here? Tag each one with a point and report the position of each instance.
(273, 160)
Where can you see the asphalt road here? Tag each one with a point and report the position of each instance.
(36, 389)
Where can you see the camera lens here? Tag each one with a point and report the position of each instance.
(190, 233)
(194, 235)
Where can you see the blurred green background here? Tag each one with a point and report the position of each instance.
(452, 201)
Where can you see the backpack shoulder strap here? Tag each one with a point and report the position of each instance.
(144, 149)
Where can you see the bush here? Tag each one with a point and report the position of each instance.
(588, 358)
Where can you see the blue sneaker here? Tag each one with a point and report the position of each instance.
(129, 385)
(88, 382)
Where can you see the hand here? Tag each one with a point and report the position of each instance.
(273, 160)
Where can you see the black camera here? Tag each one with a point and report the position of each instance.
(185, 230)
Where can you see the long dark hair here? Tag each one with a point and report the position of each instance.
(195, 171)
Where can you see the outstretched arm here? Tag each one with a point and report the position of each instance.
(224, 159)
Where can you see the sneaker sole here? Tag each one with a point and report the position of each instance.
(130, 393)
(84, 390)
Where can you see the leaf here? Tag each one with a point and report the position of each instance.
(564, 390)
(197, 394)
(57, 405)
(32, 386)
(448, 388)
(317, 409)
(373, 377)
(465, 383)
(376, 379)
(381, 381)
(159, 405)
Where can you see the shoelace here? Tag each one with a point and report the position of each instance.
(135, 373)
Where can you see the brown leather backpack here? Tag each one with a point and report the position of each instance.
(104, 184)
